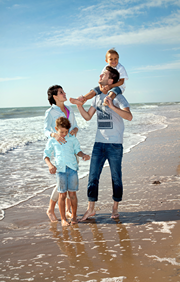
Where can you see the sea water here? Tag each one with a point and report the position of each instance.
(24, 173)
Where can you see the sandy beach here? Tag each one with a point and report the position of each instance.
(142, 245)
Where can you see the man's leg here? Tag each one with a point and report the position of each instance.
(115, 153)
(97, 161)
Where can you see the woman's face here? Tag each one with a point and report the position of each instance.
(60, 97)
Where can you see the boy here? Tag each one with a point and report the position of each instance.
(112, 58)
(66, 166)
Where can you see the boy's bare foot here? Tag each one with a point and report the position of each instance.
(104, 104)
(51, 216)
(68, 214)
(74, 220)
(87, 214)
(76, 101)
(64, 222)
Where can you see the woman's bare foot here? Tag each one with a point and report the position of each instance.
(51, 216)
(64, 222)
(68, 214)
(87, 214)
(115, 213)
(74, 220)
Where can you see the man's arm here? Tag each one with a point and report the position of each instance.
(124, 113)
(86, 115)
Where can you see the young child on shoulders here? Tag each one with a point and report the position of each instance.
(65, 167)
(112, 58)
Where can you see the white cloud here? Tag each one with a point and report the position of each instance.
(169, 66)
(2, 79)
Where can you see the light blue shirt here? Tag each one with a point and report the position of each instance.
(52, 114)
(64, 154)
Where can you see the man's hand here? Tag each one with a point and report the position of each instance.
(52, 169)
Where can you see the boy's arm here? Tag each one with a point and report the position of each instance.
(124, 113)
(52, 168)
(83, 156)
(119, 83)
(86, 115)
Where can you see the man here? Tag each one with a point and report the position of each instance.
(108, 142)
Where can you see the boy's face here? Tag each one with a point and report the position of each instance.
(112, 60)
(62, 131)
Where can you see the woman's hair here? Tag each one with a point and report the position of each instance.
(113, 74)
(63, 122)
(53, 90)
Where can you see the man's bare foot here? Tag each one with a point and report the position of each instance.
(87, 214)
(68, 214)
(115, 214)
(51, 216)
(76, 101)
(74, 220)
(64, 222)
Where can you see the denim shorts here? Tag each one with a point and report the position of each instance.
(67, 181)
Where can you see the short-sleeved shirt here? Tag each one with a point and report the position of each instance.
(64, 153)
(123, 74)
(110, 126)
(52, 114)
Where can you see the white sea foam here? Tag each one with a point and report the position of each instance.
(170, 260)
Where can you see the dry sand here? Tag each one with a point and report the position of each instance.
(142, 245)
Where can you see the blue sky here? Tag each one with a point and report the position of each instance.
(64, 42)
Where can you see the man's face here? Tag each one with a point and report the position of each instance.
(104, 78)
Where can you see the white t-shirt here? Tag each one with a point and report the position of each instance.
(123, 74)
(110, 126)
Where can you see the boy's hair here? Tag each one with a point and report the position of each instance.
(53, 90)
(113, 74)
(112, 51)
(63, 122)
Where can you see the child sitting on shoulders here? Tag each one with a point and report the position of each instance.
(66, 166)
(112, 58)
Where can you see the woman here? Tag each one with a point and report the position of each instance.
(56, 98)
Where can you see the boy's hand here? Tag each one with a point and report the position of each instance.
(86, 157)
(52, 169)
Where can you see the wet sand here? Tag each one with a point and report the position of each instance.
(142, 245)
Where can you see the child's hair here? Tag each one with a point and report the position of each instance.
(112, 51)
(53, 90)
(63, 122)
(113, 74)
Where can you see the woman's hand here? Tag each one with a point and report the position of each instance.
(74, 131)
(58, 138)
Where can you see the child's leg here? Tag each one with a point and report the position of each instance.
(82, 99)
(73, 198)
(113, 93)
(61, 203)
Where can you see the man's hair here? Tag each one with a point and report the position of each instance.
(113, 74)
(53, 90)
(112, 51)
(63, 122)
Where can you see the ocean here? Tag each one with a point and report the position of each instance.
(24, 173)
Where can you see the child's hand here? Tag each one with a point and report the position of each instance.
(52, 169)
(86, 157)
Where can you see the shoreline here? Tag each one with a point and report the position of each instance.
(142, 245)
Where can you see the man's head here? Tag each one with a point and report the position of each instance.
(112, 57)
(56, 94)
(109, 76)
(62, 126)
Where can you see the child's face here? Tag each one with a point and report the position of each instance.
(62, 131)
(112, 60)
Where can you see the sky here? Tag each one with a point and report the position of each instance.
(43, 43)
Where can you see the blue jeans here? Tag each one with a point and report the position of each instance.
(67, 181)
(116, 90)
(101, 152)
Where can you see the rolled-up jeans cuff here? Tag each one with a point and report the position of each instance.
(117, 199)
(97, 90)
(115, 90)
